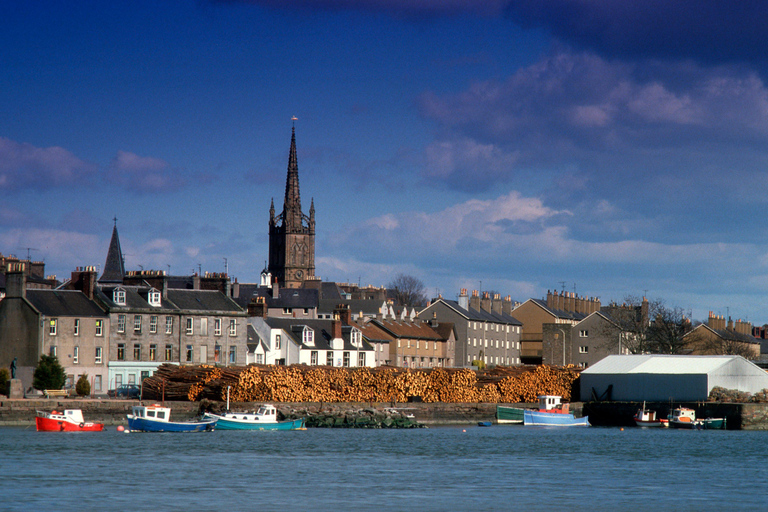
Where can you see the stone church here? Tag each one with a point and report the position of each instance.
(291, 233)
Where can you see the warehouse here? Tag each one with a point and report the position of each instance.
(665, 377)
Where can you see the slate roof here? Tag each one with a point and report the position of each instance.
(480, 315)
(64, 303)
(176, 300)
(374, 333)
(406, 329)
(728, 334)
(560, 313)
(367, 306)
(296, 298)
(114, 268)
(322, 328)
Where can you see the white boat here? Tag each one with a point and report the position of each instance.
(647, 418)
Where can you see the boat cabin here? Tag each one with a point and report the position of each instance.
(683, 414)
(551, 403)
(151, 412)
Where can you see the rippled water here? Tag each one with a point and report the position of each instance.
(456, 468)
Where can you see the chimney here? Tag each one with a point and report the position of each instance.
(195, 281)
(336, 327)
(275, 289)
(258, 308)
(474, 301)
(344, 313)
(15, 280)
(551, 300)
(496, 304)
(464, 299)
(506, 306)
(84, 279)
(235, 290)
(433, 323)
(485, 302)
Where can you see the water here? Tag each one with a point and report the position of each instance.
(437, 469)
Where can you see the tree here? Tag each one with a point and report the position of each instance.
(83, 387)
(408, 290)
(49, 374)
(648, 327)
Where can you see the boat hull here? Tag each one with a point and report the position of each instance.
(652, 423)
(57, 425)
(146, 425)
(224, 423)
(513, 415)
(548, 419)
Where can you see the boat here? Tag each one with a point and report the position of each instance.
(683, 417)
(264, 418)
(71, 420)
(156, 418)
(484, 423)
(647, 418)
(506, 414)
(552, 413)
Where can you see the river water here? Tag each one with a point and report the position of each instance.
(436, 469)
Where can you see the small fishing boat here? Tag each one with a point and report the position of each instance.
(156, 418)
(264, 418)
(683, 417)
(506, 414)
(71, 420)
(647, 418)
(552, 413)
(484, 423)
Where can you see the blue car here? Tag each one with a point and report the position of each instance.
(125, 391)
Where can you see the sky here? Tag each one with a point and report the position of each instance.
(607, 148)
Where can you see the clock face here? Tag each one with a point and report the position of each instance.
(299, 273)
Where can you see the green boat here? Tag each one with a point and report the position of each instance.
(512, 415)
(265, 418)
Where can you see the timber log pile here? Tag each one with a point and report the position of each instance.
(299, 383)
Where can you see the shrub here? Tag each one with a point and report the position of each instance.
(83, 387)
(49, 374)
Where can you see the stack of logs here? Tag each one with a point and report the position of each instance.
(301, 383)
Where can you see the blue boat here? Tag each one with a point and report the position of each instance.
(264, 418)
(552, 413)
(156, 418)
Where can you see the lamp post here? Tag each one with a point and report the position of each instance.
(562, 331)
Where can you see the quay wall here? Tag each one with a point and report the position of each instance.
(748, 416)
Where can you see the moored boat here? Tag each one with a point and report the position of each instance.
(647, 418)
(264, 418)
(70, 420)
(683, 417)
(552, 413)
(156, 418)
(506, 414)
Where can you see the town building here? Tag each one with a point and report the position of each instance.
(718, 337)
(417, 344)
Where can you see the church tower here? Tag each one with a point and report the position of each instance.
(291, 233)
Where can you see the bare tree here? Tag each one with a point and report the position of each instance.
(666, 333)
(649, 326)
(408, 290)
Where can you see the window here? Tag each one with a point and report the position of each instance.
(329, 358)
(169, 352)
(217, 353)
(313, 358)
(137, 323)
(99, 327)
(52, 326)
(169, 325)
(76, 355)
(153, 352)
(77, 327)
(217, 326)
(583, 365)
(120, 323)
(190, 330)
(583, 333)
(155, 298)
(121, 351)
(131, 378)
(204, 326)
(118, 380)
(97, 356)
(232, 354)
(153, 325)
(309, 336)
(278, 339)
(583, 350)
(118, 296)
(259, 358)
(97, 382)
(361, 359)
(346, 359)
(136, 352)
(287, 311)
(190, 353)
(233, 327)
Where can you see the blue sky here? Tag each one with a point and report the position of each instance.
(611, 148)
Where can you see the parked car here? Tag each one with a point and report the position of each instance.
(125, 391)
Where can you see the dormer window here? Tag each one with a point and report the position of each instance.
(308, 337)
(356, 338)
(118, 296)
(154, 298)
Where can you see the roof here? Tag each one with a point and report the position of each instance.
(286, 297)
(406, 329)
(114, 269)
(202, 300)
(480, 315)
(64, 303)
(727, 334)
(559, 313)
(367, 306)
(322, 328)
(659, 364)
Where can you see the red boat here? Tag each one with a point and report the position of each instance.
(71, 420)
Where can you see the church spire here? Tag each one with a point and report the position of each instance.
(114, 267)
(292, 202)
